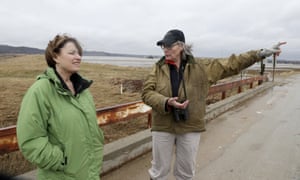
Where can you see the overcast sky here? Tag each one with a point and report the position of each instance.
(215, 28)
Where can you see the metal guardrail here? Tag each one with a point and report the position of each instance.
(222, 88)
(8, 140)
(105, 116)
(109, 115)
(122, 112)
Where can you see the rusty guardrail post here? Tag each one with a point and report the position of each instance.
(8, 140)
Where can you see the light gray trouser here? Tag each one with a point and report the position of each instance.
(185, 152)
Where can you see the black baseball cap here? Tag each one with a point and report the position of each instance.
(171, 37)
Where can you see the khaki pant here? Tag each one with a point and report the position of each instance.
(186, 147)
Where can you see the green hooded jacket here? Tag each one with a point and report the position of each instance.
(58, 131)
(199, 75)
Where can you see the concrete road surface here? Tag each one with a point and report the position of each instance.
(259, 140)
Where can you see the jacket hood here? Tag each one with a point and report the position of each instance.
(190, 60)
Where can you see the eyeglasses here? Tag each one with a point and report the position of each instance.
(164, 46)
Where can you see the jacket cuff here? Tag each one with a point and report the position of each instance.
(260, 57)
(164, 106)
(167, 107)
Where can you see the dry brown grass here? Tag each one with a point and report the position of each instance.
(17, 74)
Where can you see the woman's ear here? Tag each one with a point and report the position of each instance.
(55, 58)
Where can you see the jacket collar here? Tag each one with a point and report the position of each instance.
(79, 83)
(165, 68)
(190, 60)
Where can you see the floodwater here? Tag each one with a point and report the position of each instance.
(120, 61)
(148, 62)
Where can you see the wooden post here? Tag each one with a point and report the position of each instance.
(274, 62)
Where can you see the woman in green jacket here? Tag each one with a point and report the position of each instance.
(176, 90)
(57, 126)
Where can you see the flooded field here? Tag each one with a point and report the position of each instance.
(121, 61)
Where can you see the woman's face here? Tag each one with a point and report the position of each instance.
(69, 59)
(173, 52)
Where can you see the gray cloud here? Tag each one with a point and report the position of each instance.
(215, 27)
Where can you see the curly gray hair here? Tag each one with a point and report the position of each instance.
(187, 49)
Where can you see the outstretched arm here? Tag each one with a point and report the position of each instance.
(221, 68)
